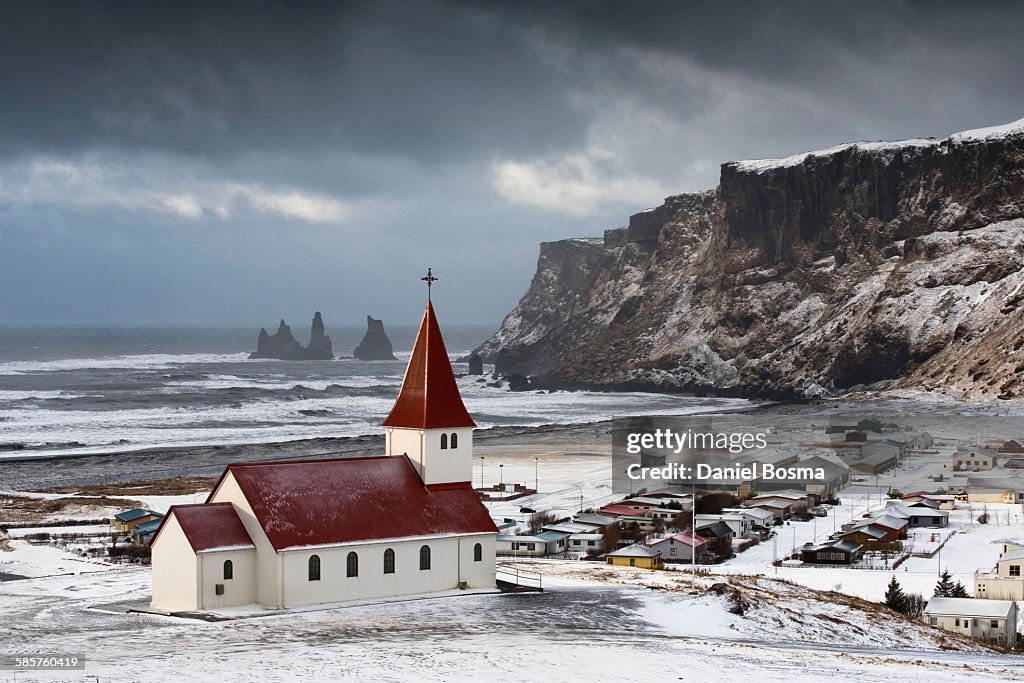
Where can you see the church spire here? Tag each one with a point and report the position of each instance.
(429, 397)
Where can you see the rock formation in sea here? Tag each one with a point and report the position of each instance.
(476, 364)
(282, 345)
(879, 264)
(375, 344)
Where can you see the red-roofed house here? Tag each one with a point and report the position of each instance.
(284, 534)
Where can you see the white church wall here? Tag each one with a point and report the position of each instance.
(447, 569)
(175, 580)
(240, 589)
(478, 574)
(434, 464)
(267, 563)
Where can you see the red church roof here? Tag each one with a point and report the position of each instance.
(429, 397)
(326, 502)
(208, 526)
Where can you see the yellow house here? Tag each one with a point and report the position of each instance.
(635, 555)
(129, 519)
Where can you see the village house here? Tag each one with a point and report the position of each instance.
(780, 508)
(599, 522)
(837, 551)
(995, 489)
(1013, 447)
(917, 515)
(759, 519)
(520, 545)
(1005, 581)
(921, 442)
(586, 544)
(290, 533)
(992, 620)
(876, 457)
(127, 520)
(974, 459)
(680, 547)
(870, 537)
(940, 501)
(738, 523)
(893, 527)
(635, 555)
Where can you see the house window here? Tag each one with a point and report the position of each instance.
(1014, 570)
(975, 624)
(314, 567)
(933, 621)
(229, 570)
(424, 558)
(994, 624)
(455, 440)
(957, 624)
(478, 553)
(389, 561)
(632, 562)
(352, 565)
(444, 442)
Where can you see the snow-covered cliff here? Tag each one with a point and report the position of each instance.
(864, 263)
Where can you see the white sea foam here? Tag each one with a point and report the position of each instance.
(155, 361)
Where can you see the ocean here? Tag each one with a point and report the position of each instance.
(70, 390)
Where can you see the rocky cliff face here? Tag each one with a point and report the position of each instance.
(375, 344)
(282, 345)
(893, 262)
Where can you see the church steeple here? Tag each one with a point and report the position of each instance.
(429, 424)
(429, 397)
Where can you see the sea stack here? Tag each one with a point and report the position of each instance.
(476, 364)
(319, 343)
(282, 345)
(375, 344)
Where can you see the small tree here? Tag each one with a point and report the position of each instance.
(610, 542)
(914, 604)
(895, 599)
(944, 588)
(959, 591)
(538, 520)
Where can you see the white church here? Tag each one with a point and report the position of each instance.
(285, 534)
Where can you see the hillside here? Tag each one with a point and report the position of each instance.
(878, 263)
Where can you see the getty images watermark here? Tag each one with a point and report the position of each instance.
(707, 453)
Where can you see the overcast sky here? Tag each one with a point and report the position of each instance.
(240, 162)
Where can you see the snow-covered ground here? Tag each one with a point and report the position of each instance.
(592, 623)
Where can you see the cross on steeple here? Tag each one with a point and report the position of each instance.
(430, 280)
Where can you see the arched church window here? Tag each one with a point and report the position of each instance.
(455, 440)
(425, 558)
(229, 570)
(444, 441)
(314, 567)
(389, 561)
(352, 565)
(478, 553)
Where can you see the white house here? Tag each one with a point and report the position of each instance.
(679, 547)
(974, 459)
(991, 620)
(284, 534)
(1006, 580)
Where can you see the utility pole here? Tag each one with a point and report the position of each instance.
(536, 474)
(482, 458)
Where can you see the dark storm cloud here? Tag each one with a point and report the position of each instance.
(209, 161)
(431, 79)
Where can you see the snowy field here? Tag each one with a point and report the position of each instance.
(577, 630)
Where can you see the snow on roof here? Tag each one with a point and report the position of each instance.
(995, 483)
(969, 607)
(686, 538)
(429, 397)
(325, 502)
(209, 526)
(620, 510)
(882, 146)
(866, 530)
(976, 449)
(635, 550)
(1012, 555)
